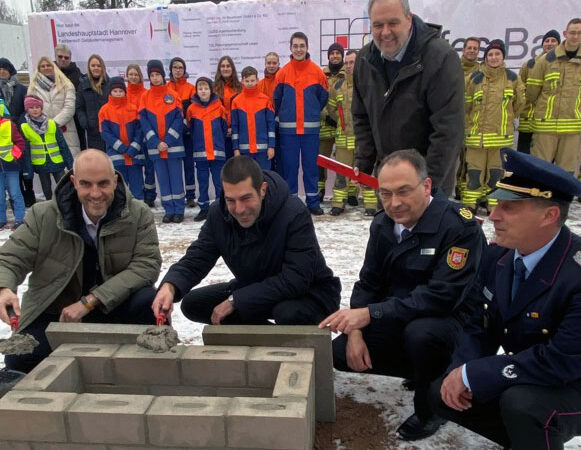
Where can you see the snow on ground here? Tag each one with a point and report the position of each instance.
(343, 240)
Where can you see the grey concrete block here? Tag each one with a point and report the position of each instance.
(61, 446)
(268, 423)
(264, 362)
(59, 333)
(94, 359)
(244, 392)
(53, 374)
(294, 380)
(108, 419)
(123, 389)
(182, 391)
(207, 365)
(138, 365)
(11, 445)
(34, 416)
(309, 336)
(188, 421)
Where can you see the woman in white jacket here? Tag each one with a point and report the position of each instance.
(58, 95)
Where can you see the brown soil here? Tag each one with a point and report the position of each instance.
(359, 426)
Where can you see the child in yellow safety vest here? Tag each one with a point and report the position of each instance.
(46, 145)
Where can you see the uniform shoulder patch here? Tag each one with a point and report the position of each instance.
(551, 56)
(457, 257)
(477, 77)
(510, 75)
(168, 98)
(339, 83)
(465, 213)
(577, 257)
(531, 63)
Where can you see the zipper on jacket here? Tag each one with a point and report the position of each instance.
(416, 65)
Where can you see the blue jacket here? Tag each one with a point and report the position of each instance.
(539, 329)
(208, 128)
(253, 128)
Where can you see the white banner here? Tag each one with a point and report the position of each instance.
(248, 29)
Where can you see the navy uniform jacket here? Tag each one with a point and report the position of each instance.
(427, 274)
(540, 330)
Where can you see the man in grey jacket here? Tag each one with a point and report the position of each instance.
(92, 253)
(408, 93)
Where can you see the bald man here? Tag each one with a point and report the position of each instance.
(92, 253)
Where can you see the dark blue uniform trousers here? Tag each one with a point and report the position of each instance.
(171, 184)
(303, 149)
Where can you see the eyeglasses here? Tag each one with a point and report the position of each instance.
(66, 58)
(404, 192)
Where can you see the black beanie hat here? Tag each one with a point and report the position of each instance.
(6, 64)
(497, 44)
(155, 65)
(117, 82)
(207, 80)
(552, 33)
(336, 46)
(177, 58)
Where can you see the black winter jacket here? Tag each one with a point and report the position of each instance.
(88, 104)
(276, 259)
(422, 109)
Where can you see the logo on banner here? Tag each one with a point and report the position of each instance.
(457, 257)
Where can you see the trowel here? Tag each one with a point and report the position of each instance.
(17, 344)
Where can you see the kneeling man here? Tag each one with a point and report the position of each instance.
(405, 309)
(267, 239)
(527, 299)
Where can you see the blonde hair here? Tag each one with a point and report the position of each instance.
(97, 85)
(60, 79)
(137, 68)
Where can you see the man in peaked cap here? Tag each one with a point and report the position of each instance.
(527, 299)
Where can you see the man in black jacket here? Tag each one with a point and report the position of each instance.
(405, 316)
(408, 93)
(267, 239)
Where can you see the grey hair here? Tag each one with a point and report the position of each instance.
(63, 48)
(410, 155)
(405, 4)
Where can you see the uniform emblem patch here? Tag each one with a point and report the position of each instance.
(577, 257)
(168, 98)
(508, 372)
(466, 213)
(457, 257)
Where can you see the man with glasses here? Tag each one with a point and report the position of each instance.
(300, 94)
(62, 55)
(405, 317)
(554, 88)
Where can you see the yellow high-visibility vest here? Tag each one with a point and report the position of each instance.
(40, 146)
(6, 143)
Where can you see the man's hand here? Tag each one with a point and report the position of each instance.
(237, 152)
(221, 311)
(270, 153)
(454, 393)
(162, 146)
(163, 300)
(74, 313)
(354, 181)
(8, 298)
(357, 353)
(347, 320)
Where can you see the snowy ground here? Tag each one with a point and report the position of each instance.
(343, 241)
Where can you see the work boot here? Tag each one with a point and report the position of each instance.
(168, 218)
(202, 215)
(369, 212)
(415, 428)
(335, 211)
(178, 218)
(191, 203)
(149, 202)
(352, 201)
(316, 211)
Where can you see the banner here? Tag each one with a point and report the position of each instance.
(246, 30)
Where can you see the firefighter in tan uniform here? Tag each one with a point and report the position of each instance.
(339, 108)
(470, 64)
(554, 88)
(525, 132)
(334, 72)
(494, 98)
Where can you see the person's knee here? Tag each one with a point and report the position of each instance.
(518, 405)
(340, 354)
(289, 313)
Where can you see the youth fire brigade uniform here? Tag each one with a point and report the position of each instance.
(186, 91)
(300, 95)
(253, 125)
(267, 84)
(494, 97)
(328, 128)
(162, 121)
(229, 94)
(554, 88)
(134, 94)
(208, 128)
(339, 108)
(121, 131)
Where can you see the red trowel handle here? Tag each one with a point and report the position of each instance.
(161, 318)
(13, 319)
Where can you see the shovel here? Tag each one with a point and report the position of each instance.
(17, 344)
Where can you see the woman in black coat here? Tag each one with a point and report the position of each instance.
(91, 96)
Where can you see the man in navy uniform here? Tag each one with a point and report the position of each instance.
(527, 299)
(421, 257)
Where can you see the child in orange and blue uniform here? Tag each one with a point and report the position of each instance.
(121, 131)
(206, 117)
(162, 122)
(300, 94)
(178, 81)
(253, 121)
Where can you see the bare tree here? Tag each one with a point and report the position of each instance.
(54, 5)
(8, 14)
(110, 4)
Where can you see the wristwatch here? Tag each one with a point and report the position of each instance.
(231, 300)
(86, 303)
